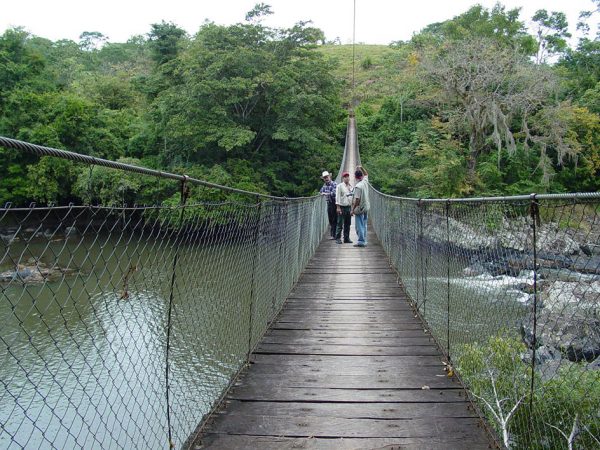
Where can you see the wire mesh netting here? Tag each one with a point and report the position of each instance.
(100, 305)
(510, 289)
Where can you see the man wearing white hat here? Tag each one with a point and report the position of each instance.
(328, 192)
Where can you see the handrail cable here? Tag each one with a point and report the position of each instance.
(567, 196)
(353, 52)
(86, 159)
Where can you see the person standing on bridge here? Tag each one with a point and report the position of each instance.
(343, 201)
(360, 208)
(364, 171)
(328, 191)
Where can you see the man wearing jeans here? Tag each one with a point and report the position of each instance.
(343, 202)
(328, 191)
(360, 208)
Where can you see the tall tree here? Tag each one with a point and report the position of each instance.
(165, 40)
(499, 24)
(485, 89)
(552, 31)
(92, 40)
(249, 92)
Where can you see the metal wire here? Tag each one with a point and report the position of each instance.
(513, 297)
(351, 158)
(92, 160)
(121, 326)
(94, 298)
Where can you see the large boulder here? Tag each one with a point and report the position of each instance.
(569, 297)
(594, 365)
(550, 238)
(34, 272)
(461, 234)
(518, 234)
(575, 333)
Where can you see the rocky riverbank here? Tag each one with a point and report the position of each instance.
(568, 283)
(9, 235)
(34, 272)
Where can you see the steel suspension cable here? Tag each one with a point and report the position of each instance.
(353, 53)
(87, 159)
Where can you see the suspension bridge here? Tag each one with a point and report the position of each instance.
(346, 364)
(234, 324)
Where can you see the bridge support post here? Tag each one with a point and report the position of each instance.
(419, 233)
(534, 212)
(184, 194)
(448, 280)
(253, 288)
(422, 272)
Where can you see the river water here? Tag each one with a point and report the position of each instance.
(468, 309)
(83, 365)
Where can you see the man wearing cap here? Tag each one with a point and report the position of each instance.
(328, 192)
(360, 208)
(343, 201)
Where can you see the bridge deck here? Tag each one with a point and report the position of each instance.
(346, 366)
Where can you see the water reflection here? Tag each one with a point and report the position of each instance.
(84, 365)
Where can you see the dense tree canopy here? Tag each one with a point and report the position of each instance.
(478, 109)
(252, 105)
(474, 105)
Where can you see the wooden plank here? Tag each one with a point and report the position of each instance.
(345, 326)
(377, 341)
(319, 277)
(351, 410)
(357, 303)
(333, 304)
(383, 276)
(245, 442)
(349, 361)
(340, 427)
(341, 292)
(336, 381)
(341, 295)
(362, 369)
(343, 315)
(346, 317)
(354, 298)
(346, 270)
(357, 308)
(348, 320)
(397, 299)
(346, 365)
(349, 286)
(349, 282)
(293, 334)
(338, 307)
(360, 268)
(287, 394)
(421, 350)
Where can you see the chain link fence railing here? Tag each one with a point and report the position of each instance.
(510, 289)
(123, 326)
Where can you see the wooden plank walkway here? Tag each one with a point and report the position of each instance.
(346, 366)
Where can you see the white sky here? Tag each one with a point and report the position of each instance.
(377, 21)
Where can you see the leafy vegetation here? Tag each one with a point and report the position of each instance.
(475, 105)
(564, 411)
(245, 105)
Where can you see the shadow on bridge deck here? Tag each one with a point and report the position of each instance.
(346, 366)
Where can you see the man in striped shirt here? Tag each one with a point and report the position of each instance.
(343, 201)
(328, 192)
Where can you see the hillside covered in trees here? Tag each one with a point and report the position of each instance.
(476, 105)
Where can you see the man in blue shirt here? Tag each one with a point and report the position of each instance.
(360, 207)
(328, 192)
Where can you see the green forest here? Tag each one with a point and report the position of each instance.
(475, 105)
